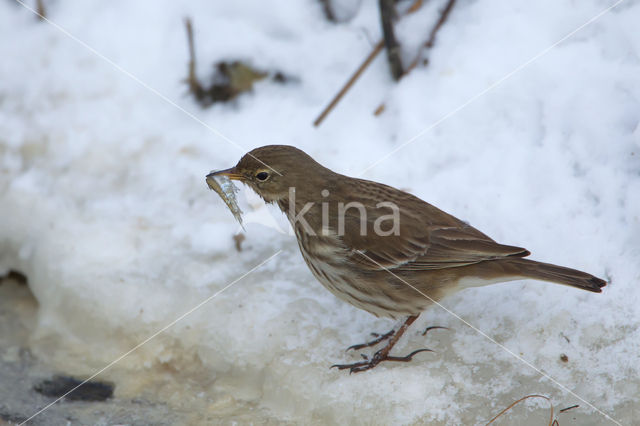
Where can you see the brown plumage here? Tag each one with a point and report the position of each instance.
(402, 254)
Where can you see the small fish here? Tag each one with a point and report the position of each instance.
(227, 191)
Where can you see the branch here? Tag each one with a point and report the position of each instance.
(40, 10)
(552, 422)
(328, 10)
(387, 15)
(194, 84)
(444, 14)
(378, 47)
(349, 83)
(443, 17)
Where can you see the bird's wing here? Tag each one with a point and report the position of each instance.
(428, 239)
(442, 247)
(452, 247)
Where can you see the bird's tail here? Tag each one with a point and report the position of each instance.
(557, 274)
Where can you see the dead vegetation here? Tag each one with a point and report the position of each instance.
(388, 16)
(229, 79)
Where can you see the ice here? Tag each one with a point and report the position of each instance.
(225, 188)
(105, 210)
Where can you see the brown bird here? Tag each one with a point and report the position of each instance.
(382, 249)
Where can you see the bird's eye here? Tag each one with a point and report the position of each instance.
(262, 176)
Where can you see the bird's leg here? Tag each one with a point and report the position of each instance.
(383, 354)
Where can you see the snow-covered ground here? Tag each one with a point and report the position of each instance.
(104, 206)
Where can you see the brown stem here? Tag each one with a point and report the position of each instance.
(40, 10)
(443, 18)
(387, 15)
(328, 10)
(551, 420)
(194, 84)
(444, 14)
(378, 47)
(349, 83)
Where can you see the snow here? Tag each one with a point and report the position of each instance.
(105, 208)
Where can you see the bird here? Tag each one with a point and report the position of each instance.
(382, 249)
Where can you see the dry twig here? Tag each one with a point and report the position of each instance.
(552, 422)
(444, 14)
(376, 50)
(349, 83)
(564, 410)
(443, 17)
(387, 16)
(15, 276)
(328, 10)
(238, 239)
(40, 10)
(230, 78)
(194, 84)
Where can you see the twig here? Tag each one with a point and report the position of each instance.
(387, 15)
(238, 239)
(194, 84)
(16, 276)
(444, 14)
(551, 421)
(564, 410)
(192, 50)
(443, 18)
(328, 10)
(414, 6)
(40, 10)
(349, 83)
(376, 50)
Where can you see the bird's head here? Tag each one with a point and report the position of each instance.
(273, 169)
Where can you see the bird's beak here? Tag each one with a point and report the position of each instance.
(230, 173)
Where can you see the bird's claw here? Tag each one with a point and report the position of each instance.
(377, 358)
(435, 327)
(378, 338)
(408, 357)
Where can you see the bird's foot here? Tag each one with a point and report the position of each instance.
(378, 338)
(377, 358)
(435, 327)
